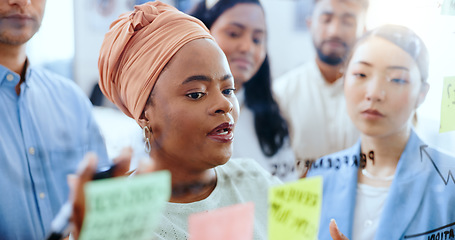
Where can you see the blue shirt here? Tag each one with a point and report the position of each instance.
(44, 132)
(421, 200)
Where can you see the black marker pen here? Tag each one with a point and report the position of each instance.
(60, 225)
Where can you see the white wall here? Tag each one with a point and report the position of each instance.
(289, 46)
(55, 39)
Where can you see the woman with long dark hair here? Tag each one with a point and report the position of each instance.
(239, 28)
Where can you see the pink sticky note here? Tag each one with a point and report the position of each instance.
(229, 223)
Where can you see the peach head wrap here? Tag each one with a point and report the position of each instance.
(136, 49)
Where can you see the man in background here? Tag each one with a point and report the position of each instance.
(311, 96)
(46, 128)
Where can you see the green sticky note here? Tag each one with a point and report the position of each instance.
(448, 7)
(448, 106)
(295, 209)
(125, 207)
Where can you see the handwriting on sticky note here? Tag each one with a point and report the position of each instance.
(448, 106)
(295, 209)
(228, 223)
(125, 208)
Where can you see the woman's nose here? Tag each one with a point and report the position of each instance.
(375, 92)
(246, 44)
(222, 105)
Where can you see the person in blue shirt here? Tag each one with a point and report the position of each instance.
(46, 128)
(390, 184)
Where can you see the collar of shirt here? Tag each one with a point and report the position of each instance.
(10, 78)
(334, 88)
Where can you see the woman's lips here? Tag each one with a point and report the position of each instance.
(242, 63)
(222, 133)
(372, 114)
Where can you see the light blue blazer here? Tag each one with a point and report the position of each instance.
(421, 201)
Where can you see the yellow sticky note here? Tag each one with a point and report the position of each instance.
(125, 208)
(295, 209)
(448, 106)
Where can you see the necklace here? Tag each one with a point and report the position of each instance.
(192, 188)
(385, 179)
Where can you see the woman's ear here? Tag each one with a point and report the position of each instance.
(145, 118)
(423, 93)
(143, 121)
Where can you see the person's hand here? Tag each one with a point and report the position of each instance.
(335, 232)
(86, 170)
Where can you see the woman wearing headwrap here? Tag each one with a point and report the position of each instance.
(163, 68)
(240, 29)
(390, 184)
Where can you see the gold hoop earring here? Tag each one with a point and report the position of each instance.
(146, 131)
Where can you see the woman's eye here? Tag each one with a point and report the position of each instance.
(195, 95)
(257, 41)
(233, 34)
(399, 81)
(360, 75)
(229, 91)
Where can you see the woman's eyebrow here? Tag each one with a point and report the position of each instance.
(227, 77)
(365, 63)
(398, 67)
(204, 78)
(239, 25)
(389, 67)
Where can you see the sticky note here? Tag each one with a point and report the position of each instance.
(448, 7)
(295, 209)
(125, 208)
(448, 106)
(228, 223)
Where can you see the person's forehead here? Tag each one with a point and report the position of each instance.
(245, 14)
(382, 53)
(198, 57)
(339, 7)
(198, 50)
